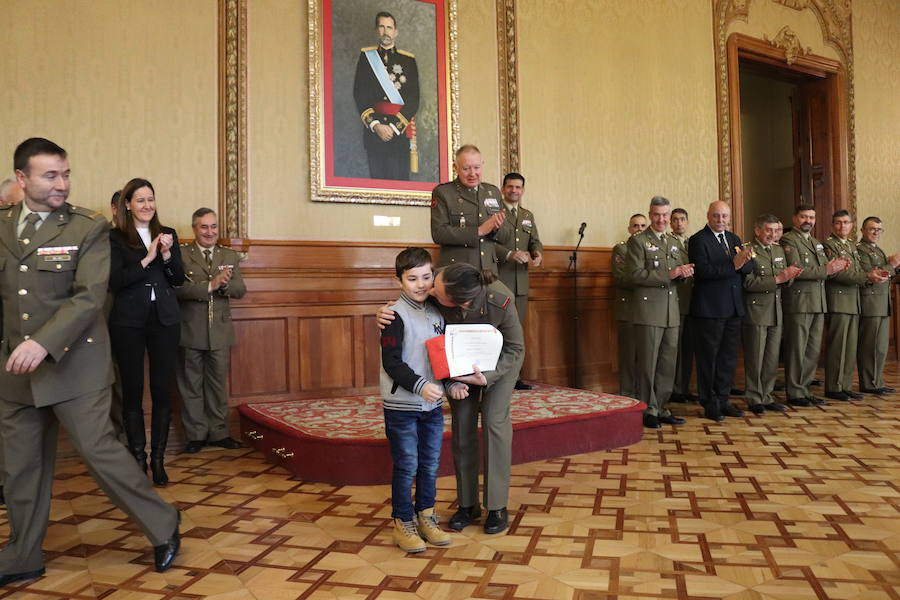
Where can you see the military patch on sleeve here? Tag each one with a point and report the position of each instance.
(506, 303)
(619, 259)
(433, 201)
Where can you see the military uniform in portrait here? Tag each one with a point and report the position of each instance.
(655, 315)
(456, 213)
(207, 335)
(391, 159)
(804, 311)
(763, 322)
(53, 286)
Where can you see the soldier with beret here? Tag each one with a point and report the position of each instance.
(466, 214)
(875, 309)
(386, 90)
(213, 277)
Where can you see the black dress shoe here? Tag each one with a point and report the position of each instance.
(876, 391)
(757, 409)
(651, 422)
(731, 411)
(778, 388)
(679, 398)
(464, 517)
(837, 396)
(887, 390)
(816, 382)
(670, 420)
(816, 401)
(228, 443)
(713, 415)
(2, 497)
(8, 578)
(736, 392)
(164, 554)
(521, 385)
(799, 402)
(194, 446)
(496, 521)
(853, 395)
(158, 471)
(775, 407)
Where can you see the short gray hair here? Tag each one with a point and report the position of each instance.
(766, 218)
(5, 185)
(659, 201)
(200, 213)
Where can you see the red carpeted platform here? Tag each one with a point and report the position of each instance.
(341, 440)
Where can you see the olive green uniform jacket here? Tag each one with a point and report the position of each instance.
(456, 213)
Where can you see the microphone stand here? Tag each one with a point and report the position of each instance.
(573, 268)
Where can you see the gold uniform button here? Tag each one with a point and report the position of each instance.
(25, 316)
(26, 337)
(23, 268)
(58, 266)
(66, 349)
(23, 292)
(26, 241)
(482, 253)
(90, 340)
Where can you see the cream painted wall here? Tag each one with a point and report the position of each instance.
(279, 130)
(876, 45)
(127, 88)
(617, 105)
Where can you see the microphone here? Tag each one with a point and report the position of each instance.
(581, 229)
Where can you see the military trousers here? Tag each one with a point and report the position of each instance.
(761, 347)
(874, 333)
(684, 366)
(29, 438)
(840, 352)
(202, 377)
(522, 310)
(803, 343)
(627, 385)
(492, 405)
(656, 349)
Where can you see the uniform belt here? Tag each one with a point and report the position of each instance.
(387, 108)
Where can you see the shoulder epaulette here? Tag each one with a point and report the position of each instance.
(367, 48)
(85, 212)
(499, 300)
(405, 53)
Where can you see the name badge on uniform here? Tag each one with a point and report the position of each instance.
(492, 205)
(778, 259)
(819, 247)
(223, 267)
(56, 250)
(655, 263)
(652, 248)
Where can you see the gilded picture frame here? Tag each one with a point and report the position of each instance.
(349, 98)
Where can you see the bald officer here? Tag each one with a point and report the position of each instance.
(56, 366)
(518, 246)
(466, 214)
(655, 271)
(207, 334)
(636, 224)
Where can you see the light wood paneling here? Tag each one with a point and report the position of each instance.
(259, 358)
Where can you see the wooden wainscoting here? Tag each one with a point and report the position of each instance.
(306, 327)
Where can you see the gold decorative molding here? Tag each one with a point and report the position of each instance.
(787, 40)
(233, 118)
(795, 4)
(835, 20)
(508, 72)
(724, 12)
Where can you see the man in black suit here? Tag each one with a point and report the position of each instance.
(717, 306)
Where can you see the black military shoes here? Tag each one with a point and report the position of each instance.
(164, 554)
(496, 521)
(465, 516)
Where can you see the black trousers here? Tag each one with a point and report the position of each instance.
(716, 343)
(388, 160)
(130, 344)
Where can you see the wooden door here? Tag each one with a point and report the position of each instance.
(813, 141)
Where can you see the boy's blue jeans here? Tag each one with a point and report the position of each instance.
(415, 438)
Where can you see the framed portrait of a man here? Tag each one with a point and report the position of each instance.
(383, 100)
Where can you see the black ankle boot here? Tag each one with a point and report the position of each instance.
(137, 438)
(158, 469)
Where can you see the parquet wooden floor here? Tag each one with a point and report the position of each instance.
(795, 506)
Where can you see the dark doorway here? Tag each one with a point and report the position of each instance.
(789, 138)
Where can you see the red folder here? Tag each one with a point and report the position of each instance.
(437, 355)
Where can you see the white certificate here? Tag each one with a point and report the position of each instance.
(468, 345)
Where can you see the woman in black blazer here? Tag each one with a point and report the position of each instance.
(145, 266)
